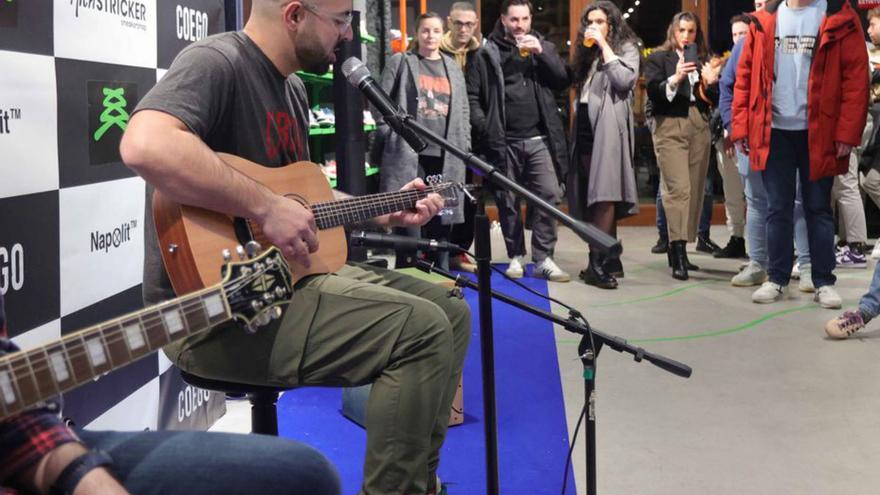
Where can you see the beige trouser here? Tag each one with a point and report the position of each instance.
(847, 197)
(734, 192)
(682, 146)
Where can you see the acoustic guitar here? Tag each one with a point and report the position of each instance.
(251, 292)
(190, 237)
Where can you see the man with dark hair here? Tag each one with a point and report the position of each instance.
(359, 325)
(39, 454)
(516, 125)
(790, 131)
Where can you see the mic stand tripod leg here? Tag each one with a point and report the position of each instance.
(483, 252)
(589, 357)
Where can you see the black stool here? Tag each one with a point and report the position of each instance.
(264, 416)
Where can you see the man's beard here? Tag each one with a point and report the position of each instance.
(312, 57)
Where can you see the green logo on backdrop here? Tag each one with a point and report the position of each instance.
(114, 113)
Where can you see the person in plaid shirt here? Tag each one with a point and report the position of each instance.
(39, 454)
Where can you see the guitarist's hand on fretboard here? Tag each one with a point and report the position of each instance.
(291, 227)
(424, 210)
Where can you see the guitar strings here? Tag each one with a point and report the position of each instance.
(111, 335)
(341, 210)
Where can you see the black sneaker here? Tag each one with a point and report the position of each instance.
(613, 267)
(735, 248)
(705, 245)
(661, 247)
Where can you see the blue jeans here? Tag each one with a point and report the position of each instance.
(756, 217)
(869, 305)
(705, 215)
(195, 463)
(790, 155)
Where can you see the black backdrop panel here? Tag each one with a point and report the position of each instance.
(181, 22)
(95, 101)
(29, 264)
(26, 26)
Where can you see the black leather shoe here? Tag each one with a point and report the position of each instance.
(614, 267)
(595, 275)
(735, 248)
(705, 245)
(690, 266)
(677, 260)
(661, 247)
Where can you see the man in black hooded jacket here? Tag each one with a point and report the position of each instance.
(516, 125)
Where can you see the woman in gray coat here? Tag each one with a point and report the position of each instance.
(602, 184)
(430, 85)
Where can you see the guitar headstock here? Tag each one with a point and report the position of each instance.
(257, 289)
(449, 191)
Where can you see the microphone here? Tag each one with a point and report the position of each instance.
(400, 242)
(359, 76)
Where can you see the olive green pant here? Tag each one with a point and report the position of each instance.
(360, 325)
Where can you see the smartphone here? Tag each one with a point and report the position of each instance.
(690, 53)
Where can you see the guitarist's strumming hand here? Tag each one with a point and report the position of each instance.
(424, 210)
(291, 227)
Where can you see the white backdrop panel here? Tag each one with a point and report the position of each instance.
(119, 32)
(102, 242)
(28, 124)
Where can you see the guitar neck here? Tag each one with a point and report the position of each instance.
(28, 378)
(361, 208)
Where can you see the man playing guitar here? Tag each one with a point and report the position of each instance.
(236, 93)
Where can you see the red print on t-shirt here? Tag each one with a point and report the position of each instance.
(282, 134)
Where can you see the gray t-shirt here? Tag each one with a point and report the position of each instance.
(797, 33)
(435, 93)
(228, 93)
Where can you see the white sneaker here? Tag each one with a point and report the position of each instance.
(827, 297)
(769, 292)
(796, 271)
(752, 274)
(549, 270)
(515, 270)
(875, 253)
(805, 284)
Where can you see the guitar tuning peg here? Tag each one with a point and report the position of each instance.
(227, 255)
(239, 250)
(252, 248)
(276, 312)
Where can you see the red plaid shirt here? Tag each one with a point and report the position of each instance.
(27, 437)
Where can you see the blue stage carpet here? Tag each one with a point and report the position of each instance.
(532, 433)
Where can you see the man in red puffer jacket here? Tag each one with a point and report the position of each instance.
(799, 105)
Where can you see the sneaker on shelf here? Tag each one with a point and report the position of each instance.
(769, 292)
(515, 269)
(875, 253)
(313, 119)
(752, 274)
(850, 258)
(368, 118)
(325, 116)
(462, 263)
(805, 284)
(827, 297)
(550, 270)
(845, 325)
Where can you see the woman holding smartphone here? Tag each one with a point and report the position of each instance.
(681, 131)
(430, 85)
(602, 185)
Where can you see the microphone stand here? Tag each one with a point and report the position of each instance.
(483, 250)
(591, 343)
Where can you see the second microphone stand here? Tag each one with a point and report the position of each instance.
(591, 343)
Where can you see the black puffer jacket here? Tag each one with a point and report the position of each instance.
(485, 83)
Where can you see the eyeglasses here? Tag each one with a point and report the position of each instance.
(341, 21)
(459, 24)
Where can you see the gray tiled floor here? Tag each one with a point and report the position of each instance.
(772, 407)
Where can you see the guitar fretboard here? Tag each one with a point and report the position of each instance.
(27, 378)
(359, 209)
